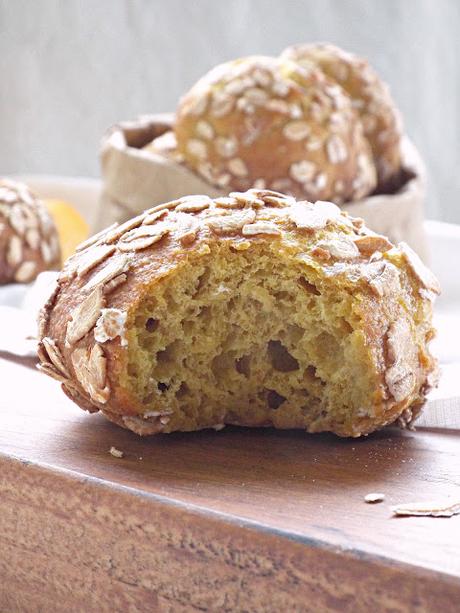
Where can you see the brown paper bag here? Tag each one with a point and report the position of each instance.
(135, 179)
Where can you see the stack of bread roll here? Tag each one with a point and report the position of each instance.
(316, 122)
(303, 123)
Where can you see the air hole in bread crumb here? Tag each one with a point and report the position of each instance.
(294, 333)
(183, 390)
(283, 296)
(148, 399)
(151, 324)
(132, 370)
(312, 375)
(222, 364)
(274, 400)
(243, 366)
(163, 387)
(280, 358)
(205, 313)
(202, 281)
(308, 287)
(168, 355)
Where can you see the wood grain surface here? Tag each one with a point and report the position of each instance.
(236, 520)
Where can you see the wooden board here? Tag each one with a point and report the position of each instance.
(236, 520)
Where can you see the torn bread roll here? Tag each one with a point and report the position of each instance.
(252, 309)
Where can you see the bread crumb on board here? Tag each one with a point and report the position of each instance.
(117, 453)
(445, 508)
(374, 497)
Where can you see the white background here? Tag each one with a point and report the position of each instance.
(71, 68)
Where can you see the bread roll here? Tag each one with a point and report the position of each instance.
(271, 123)
(29, 242)
(251, 309)
(370, 97)
(166, 146)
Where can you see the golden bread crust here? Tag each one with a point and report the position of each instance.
(29, 242)
(370, 97)
(271, 123)
(86, 327)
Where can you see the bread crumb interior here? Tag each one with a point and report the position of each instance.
(252, 338)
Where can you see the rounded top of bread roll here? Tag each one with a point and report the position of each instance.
(252, 309)
(370, 97)
(29, 241)
(270, 123)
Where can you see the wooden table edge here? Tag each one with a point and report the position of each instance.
(232, 551)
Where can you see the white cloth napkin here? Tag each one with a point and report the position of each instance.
(19, 307)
